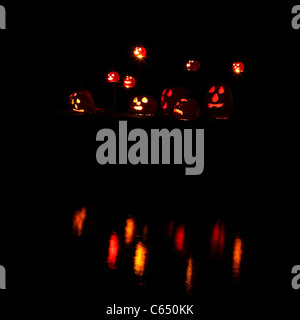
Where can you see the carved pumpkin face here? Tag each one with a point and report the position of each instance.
(218, 101)
(129, 82)
(140, 52)
(187, 109)
(193, 65)
(171, 96)
(144, 105)
(113, 77)
(238, 67)
(82, 101)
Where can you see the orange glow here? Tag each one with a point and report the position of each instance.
(78, 110)
(129, 230)
(237, 257)
(212, 89)
(178, 111)
(216, 105)
(129, 82)
(193, 65)
(138, 108)
(217, 244)
(113, 77)
(78, 220)
(113, 250)
(140, 259)
(140, 52)
(179, 238)
(238, 67)
(189, 275)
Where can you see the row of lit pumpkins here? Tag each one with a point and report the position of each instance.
(174, 101)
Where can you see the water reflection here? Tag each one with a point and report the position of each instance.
(189, 275)
(140, 259)
(179, 238)
(113, 250)
(237, 257)
(164, 244)
(129, 231)
(217, 243)
(78, 221)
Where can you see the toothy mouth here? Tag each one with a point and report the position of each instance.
(215, 105)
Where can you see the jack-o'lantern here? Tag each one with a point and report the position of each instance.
(193, 65)
(129, 82)
(140, 52)
(218, 101)
(144, 105)
(187, 109)
(238, 67)
(82, 101)
(113, 77)
(171, 96)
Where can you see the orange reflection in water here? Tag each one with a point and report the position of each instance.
(237, 257)
(129, 230)
(217, 244)
(179, 238)
(78, 220)
(140, 259)
(113, 250)
(189, 275)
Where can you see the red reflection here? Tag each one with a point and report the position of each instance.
(113, 250)
(189, 275)
(78, 220)
(218, 239)
(140, 259)
(237, 257)
(179, 238)
(129, 230)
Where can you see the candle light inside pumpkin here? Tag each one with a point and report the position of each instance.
(140, 52)
(238, 67)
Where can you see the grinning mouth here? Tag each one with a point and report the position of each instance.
(138, 108)
(216, 105)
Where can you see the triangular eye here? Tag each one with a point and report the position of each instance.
(169, 94)
(221, 90)
(212, 89)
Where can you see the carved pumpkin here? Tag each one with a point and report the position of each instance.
(140, 52)
(129, 82)
(218, 101)
(82, 101)
(144, 105)
(193, 65)
(238, 67)
(187, 109)
(113, 77)
(171, 96)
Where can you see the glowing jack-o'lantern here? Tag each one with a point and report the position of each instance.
(218, 101)
(82, 101)
(113, 77)
(140, 52)
(144, 105)
(187, 109)
(171, 96)
(238, 67)
(193, 65)
(129, 82)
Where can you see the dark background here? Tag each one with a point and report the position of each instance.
(49, 50)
